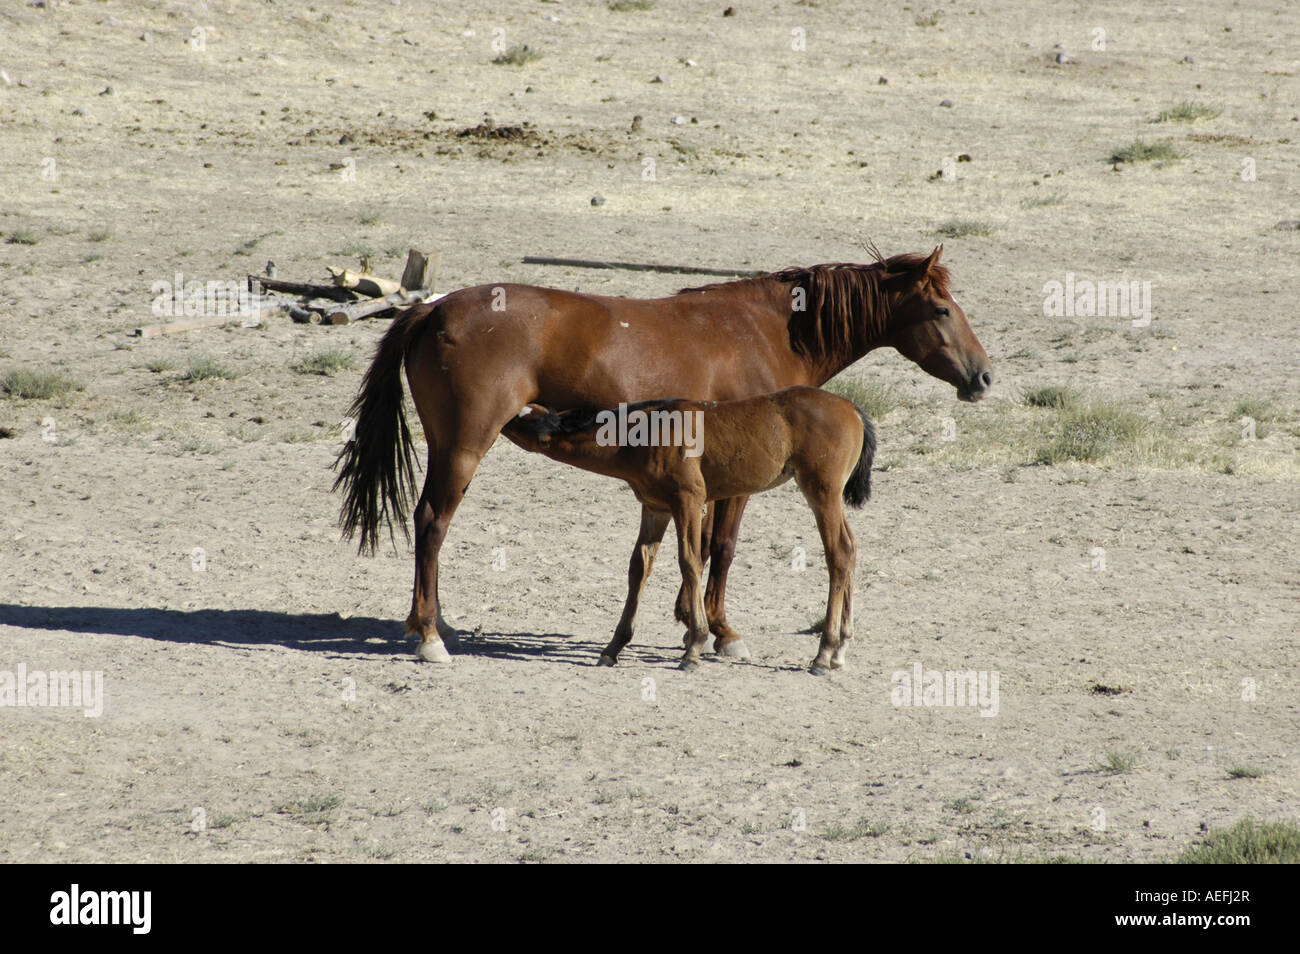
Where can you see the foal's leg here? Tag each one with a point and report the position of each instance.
(653, 525)
(846, 620)
(726, 527)
(837, 542)
(682, 609)
(686, 514)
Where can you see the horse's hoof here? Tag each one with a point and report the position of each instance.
(818, 670)
(605, 660)
(689, 665)
(433, 651)
(736, 649)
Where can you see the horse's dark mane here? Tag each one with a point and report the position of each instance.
(845, 303)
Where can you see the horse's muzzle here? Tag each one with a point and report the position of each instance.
(977, 387)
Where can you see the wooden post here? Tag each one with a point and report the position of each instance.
(416, 273)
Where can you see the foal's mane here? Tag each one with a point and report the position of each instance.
(845, 304)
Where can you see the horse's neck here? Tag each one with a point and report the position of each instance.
(587, 454)
(876, 336)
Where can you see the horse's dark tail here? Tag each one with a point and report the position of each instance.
(376, 473)
(858, 490)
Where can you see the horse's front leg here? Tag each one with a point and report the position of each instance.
(653, 525)
(686, 514)
(682, 609)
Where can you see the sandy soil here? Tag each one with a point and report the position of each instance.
(259, 702)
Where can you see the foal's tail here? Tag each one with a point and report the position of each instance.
(858, 490)
(376, 474)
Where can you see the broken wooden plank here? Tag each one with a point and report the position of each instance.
(357, 310)
(305, 289)
(644, 267)
(363, 284)
(193, 324)
(303, 316)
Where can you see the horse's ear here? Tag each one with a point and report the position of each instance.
(933, 260)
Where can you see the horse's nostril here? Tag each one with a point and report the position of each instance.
(986, 379)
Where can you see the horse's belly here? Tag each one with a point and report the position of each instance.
(740, 480)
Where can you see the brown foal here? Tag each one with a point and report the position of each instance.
(473, 359)
(689, 453)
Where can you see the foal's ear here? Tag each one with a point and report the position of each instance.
(933, 260)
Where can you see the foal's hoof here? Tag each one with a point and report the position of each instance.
(605, 660)
(735, 649)
(689, 665)
(817, 669)
(433, 651)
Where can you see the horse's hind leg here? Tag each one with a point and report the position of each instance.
(653, 525)
(838, 543)
(726, 528)
(445, 484)
(846, 619)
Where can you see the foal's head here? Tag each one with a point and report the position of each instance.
(931, 328)
(535, 427)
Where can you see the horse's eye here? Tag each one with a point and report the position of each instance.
(941, 312)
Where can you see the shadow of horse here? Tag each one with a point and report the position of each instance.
(309, 632)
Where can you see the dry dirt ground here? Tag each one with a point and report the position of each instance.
(176, 534)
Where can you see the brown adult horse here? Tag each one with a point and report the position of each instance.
(474, 358)
(689, 453)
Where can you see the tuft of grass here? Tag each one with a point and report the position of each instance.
(1004, 856)
(21, 237)
(1038, 201)
(629, 6)
(100, 235)
(1139, 150)
(159, 365)
(246, 248)
(205, 366)
(196, 445)
(325, 362)
(959, 228)
(37, 385)
(1089, 432)
(874, 397)
(313, 809)
(1051, 396)
(863, 829)
(357, 250)
(1260, 409)
(517, 55)
(1119, 763)
(928, 19)
(1246, 771)
(1187, 111)
(1247, 843)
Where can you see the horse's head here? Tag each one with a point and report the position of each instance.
(931, 328)
(533, 427)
